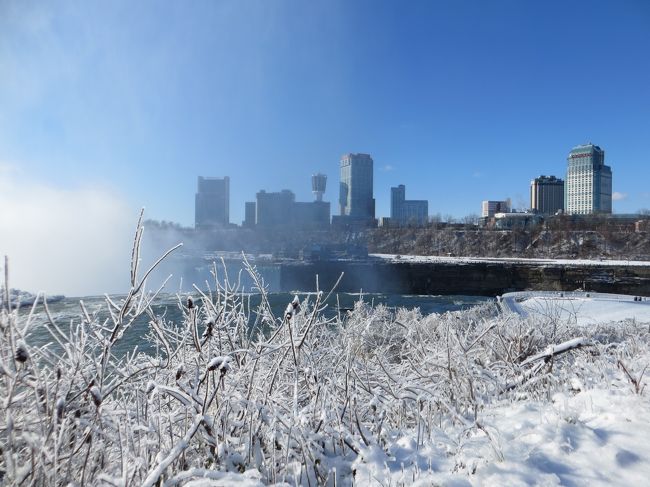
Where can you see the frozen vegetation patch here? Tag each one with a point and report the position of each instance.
(370, 397)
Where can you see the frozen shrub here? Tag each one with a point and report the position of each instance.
(298, 398)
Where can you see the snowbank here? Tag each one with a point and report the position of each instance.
(510, 260)
(582, 308)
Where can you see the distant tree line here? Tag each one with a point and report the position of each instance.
(557, 237)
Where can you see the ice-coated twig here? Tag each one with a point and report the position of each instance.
(180, 446)
(558, 349)
(296, 398)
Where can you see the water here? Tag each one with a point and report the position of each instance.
(67, 313)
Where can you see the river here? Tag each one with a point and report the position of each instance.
(66, 313)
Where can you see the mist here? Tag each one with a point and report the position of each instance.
(75, 242)
(157, 239)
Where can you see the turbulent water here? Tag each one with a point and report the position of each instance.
(67, 313)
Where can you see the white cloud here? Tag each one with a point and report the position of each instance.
(387, 168)
(477, 174)
(616, 196)
(75, 242)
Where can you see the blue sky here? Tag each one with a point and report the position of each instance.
(459, 100)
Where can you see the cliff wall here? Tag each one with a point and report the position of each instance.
(476, 278)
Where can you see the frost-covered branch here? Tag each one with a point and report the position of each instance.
(233, 393)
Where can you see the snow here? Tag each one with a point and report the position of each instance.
(221, 363)
(557, 349)
(179, 447)
(597, 437)
(433, 259)
(380, 397)
(582, 308)
(96, 395)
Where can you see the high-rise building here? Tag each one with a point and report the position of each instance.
(311, 214)
(397, 198)
(274, 209)
(489, 208)
(282, 210)
(212, 203)
(407, 212)
(356, 191)
(547, 195)
(249, 214)
(588, 187)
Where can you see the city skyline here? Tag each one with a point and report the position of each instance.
(547, 195)
(445, 95)
(108, 107)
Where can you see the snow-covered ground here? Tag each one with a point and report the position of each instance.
(596, 437)
(375, 396)
(581, 308)
(588, 437)
(511, 260)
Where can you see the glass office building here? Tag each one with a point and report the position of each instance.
(356, 199)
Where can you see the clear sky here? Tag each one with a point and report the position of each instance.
(459, 100)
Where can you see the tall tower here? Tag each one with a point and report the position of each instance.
(318, 184)
(356, 191)
(212, 202)
(588, 187)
